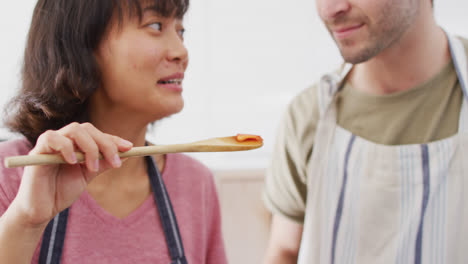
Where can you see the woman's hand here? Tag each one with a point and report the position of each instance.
(47, 190)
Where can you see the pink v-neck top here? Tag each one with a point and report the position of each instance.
(95, 236)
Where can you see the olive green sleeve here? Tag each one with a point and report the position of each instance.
(465, 43)
(285, 189)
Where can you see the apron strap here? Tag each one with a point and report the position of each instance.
(53, 239)
(460, 62)
(54, 234)
(459, 58)
(166, 214)
(328, 85)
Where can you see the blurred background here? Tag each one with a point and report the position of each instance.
(248, 58)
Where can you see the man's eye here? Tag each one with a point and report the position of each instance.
(156, 26)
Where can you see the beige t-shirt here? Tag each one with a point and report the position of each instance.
(425, 113)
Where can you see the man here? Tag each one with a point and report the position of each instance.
(370, 164)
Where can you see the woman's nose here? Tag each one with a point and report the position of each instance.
(176, 48)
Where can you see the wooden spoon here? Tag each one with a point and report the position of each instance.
(209, 145)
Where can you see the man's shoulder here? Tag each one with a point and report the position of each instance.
(306, 102)
(306, 96)
(304, 105)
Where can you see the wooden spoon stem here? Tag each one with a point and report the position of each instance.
(211, 145)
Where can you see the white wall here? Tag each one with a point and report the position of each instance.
(248, 59)
(14, 23)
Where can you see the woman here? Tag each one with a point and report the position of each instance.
(96, 73)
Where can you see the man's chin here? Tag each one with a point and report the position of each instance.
(355, 59)
(356, 56)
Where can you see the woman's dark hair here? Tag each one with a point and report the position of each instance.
(60, 71)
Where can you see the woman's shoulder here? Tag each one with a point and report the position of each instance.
(186, 170)
(10, 178)
(14, 147)
(187, 177)
(182, 163)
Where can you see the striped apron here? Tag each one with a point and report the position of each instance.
(54, 234)
(369, 203)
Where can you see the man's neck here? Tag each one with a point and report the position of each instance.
(418, 56)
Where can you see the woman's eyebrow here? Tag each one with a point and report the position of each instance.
(151, 8)
(156, 10)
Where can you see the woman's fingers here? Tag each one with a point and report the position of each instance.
(122, 144)
(105, 144)
(89, 140)
(53, 142)
(85, 143)
(92, 142)
(109, 145)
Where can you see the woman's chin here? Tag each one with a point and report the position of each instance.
(170, 110)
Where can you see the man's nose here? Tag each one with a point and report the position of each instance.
(331, 9)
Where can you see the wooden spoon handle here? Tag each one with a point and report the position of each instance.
(208, 145)
(48, 159)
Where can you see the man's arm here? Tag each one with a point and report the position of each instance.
(285, 239)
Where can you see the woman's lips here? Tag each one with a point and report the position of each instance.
(344, 32)
(171, 86)
(172, 82)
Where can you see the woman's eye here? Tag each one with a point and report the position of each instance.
(181, 32)
(156, 26)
